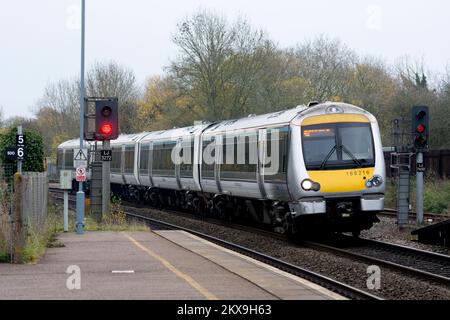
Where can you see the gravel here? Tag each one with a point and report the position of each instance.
(394, 285)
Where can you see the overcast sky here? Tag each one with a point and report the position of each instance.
(40, 40)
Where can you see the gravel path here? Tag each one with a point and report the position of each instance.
(393, 284)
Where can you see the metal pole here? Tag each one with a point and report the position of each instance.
(80, 193)
(66, 211)
(419, 188)
(106, 186)
(19, 162)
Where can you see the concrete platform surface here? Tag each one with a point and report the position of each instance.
(148, 265)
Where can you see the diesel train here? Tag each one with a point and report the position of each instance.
(315, 168)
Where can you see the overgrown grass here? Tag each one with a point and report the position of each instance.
(436, 195)
(38, 240)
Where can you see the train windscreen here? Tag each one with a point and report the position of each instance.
(338, 146)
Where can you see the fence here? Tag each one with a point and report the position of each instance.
(24, 201)
(437, 163)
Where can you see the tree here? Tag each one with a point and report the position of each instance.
(219, 63)
(327, 67)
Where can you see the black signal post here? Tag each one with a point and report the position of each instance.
(420, 133)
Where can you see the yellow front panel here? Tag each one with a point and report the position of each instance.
(342, 180)
(335, 118)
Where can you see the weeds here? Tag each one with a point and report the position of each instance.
(436, 195)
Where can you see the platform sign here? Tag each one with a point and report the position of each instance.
(80, 174)
(11, 153)
(106, 155)
(65, 179)
(20, 144)
(80, 158)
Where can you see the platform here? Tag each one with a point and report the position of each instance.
(171, 265)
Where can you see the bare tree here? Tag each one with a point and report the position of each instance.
(326, 65)
(219, 63)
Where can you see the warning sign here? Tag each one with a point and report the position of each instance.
(80, 158)
(80, 174)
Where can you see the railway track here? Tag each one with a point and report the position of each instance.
(412, 215)
(418, 263)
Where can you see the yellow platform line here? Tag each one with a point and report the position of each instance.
(206, 293)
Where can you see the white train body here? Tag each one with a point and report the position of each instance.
(320, 165)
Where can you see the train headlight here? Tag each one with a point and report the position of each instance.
(375, 181)
(309, 185)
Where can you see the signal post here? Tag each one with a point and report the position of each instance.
(103, 125)
(420, 132)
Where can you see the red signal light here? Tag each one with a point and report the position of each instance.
(421, 128)
(106, 128)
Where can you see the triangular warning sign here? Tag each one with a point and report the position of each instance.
(80, 155)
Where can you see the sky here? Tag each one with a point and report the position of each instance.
(40, 40)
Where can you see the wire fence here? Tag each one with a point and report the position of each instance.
(23, 205)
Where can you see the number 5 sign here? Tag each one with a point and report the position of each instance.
(20, 144)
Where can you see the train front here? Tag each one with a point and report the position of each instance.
(337, 161)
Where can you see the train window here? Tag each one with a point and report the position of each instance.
(276, 171)
(116, 160)
(357, 141)
(129, 159)
(338, 146)
(68, 159)
(318, 142)
(59, 159)
(143, 160)
(239, 157)
(186, 168)
(162, 159)
(208, 169)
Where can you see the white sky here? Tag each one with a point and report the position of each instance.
(40, 40)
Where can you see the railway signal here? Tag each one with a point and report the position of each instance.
(420, 127)
(420, 132)
(106, 119)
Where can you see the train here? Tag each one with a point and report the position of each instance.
(311, 169)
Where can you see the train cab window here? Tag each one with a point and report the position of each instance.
(276, 171)
(116, 160)
(143, 160)
(129, 159)
(162, 159)
(208, 169)
(338, 146)
(186, 168)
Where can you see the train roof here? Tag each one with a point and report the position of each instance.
(175, 133)
(279, 118)
(282, 117)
